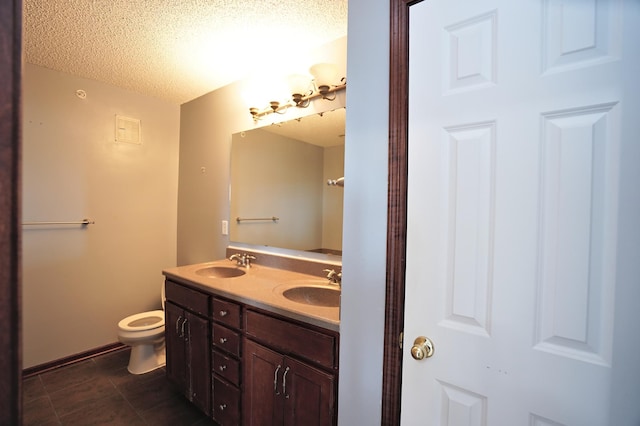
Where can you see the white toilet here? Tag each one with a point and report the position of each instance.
(144, 332)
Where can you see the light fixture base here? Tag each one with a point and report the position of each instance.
(327, 92)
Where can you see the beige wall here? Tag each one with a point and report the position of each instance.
(364, 247)
(79, 282)
(206, 126)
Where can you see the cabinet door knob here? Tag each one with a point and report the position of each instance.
(223, 340)
(223, 313)
(222, 407)
(222, 367)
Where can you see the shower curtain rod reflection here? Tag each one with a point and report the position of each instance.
(336, 182)
(242, 219)
(82, 222)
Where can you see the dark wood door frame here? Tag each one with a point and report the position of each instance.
(10, 118)
(397, 209)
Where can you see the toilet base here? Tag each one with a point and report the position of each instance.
(146, 357)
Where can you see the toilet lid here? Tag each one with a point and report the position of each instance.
(142, 321)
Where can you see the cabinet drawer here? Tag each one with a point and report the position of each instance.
(226, 367)
(187, 298)
(226, 339)
(226, 403)
(292, 338)
(226, 312)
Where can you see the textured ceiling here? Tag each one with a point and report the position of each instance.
(176, 50)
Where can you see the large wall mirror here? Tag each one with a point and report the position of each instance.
(280, 195)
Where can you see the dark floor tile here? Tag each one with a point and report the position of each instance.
(144, 394)
(73, 398)
(116, 374)
(123, 377)
(120, 377)
(113, 361)
(205, 421)
(111, 410)
(39, 412)
(136, 380)
(102, 391)
(68, 376)
(33, 388)
(175, 411)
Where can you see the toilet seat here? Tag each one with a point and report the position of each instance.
(142, 321)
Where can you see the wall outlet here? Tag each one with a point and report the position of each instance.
(225, 227)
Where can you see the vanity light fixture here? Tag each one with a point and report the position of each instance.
(303, 90)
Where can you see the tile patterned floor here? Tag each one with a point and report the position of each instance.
(101, 391)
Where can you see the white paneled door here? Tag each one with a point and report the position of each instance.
(518, 115)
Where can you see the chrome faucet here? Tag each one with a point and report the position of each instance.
(334, 277)
(242, 259)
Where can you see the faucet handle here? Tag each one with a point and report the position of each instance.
(333, 276)
(242, 259)
(247, 258)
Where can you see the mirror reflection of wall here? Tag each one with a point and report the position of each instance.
(282, 171)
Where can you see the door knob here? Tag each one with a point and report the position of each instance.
(422, 348)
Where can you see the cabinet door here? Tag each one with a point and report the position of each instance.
(198, 357)
(262, 400)
(175, 345)
(309, 395)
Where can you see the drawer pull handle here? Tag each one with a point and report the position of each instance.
(222, 367)
(222, 407)
(223, 340)
(178, 326)
(184, 323)
(275, 380)
(284, 382)
(223, 313)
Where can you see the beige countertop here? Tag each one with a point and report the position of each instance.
(261, 287)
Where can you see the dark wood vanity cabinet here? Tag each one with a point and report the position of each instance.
(290, 373)
(187, 338)
(245, 366)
